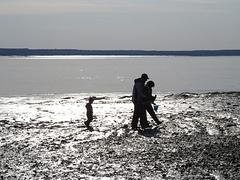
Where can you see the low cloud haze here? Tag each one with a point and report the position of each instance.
(105, 24)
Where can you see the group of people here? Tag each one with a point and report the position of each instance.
(142, 99)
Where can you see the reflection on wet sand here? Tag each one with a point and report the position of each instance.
(44, 137)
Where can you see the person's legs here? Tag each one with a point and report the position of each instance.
(87, 123)
(135, 116)
(143, 117)
(152, 114)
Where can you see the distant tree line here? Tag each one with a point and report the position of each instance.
(52, 52)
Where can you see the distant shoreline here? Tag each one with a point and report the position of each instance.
(68, 52)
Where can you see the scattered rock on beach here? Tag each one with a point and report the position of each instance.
(45, 138)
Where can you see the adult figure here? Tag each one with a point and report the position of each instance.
(150, 100)
(138, 100)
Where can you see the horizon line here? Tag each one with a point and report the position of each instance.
(55, 52)
(116, 49)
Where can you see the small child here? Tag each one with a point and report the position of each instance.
(89, 111)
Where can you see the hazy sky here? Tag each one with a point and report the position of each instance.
(120, 24)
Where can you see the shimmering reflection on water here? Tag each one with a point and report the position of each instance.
(103, 74)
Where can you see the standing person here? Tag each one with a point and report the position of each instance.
(137, 99)
(150, 100)
(89, 112)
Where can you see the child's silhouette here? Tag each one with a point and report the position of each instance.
(89, 112)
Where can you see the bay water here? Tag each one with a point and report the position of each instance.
(106, 74)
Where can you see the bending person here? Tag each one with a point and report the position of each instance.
(150, 100)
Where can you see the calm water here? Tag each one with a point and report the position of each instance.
(97, 74)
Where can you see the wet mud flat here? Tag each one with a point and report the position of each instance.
(44, 137)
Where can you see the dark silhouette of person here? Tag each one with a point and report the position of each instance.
(147, 90)
(137, 99)
(89, 112)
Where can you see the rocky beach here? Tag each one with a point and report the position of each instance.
(44, 137)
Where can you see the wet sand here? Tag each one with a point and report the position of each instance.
(44, 137)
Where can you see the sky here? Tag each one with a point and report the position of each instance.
(120, 24)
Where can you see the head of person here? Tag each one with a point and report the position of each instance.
(91, 99)
(144, 77)
(150, 84)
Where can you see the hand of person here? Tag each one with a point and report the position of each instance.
(154, 97)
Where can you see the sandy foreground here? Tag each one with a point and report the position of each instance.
(44, 137)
